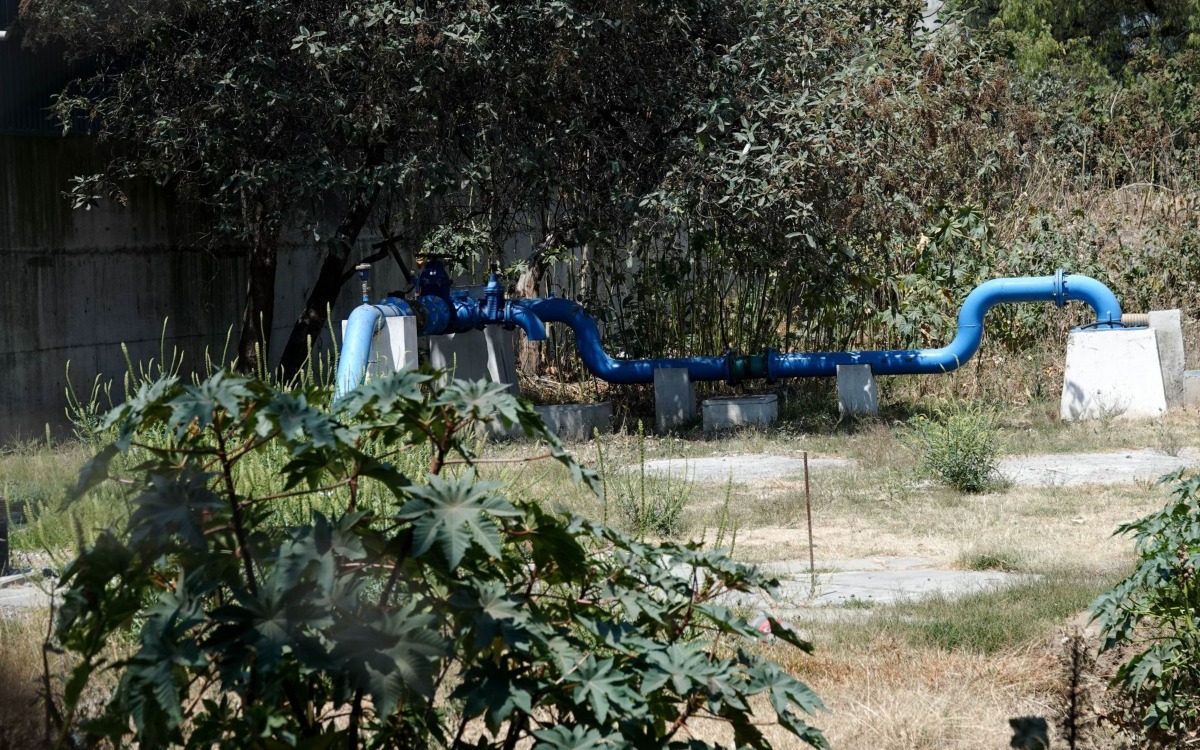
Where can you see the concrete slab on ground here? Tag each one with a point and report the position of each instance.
(874, 580)
(1073, 469)
(750, 468)
(22, 597)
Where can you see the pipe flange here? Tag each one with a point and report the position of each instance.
(769, 357)
(1060, 288)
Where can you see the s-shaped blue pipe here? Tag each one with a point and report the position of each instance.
(773, 365)
(461, 313)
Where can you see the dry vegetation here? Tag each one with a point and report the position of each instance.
(933, 674)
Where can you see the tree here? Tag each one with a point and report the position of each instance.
(469, 119)
(1109, 33)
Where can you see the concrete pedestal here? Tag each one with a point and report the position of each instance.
(723, 413)
(1191, 388)
(1112, 374)
(477, 355)
(1168, 330)
(394, 348)
(577, 421)
(674, 398)
(857, 394)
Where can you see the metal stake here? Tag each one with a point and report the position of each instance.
(812, 565)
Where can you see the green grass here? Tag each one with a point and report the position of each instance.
(990, 621)
(1006, 561)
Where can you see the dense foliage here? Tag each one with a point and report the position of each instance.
(428, 611)
(800, 174)
(1152, 614)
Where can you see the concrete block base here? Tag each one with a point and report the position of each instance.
(577, 421)
(857, 394)
(477, 355)
(1112, 374)
(394, 348)
(674, 398)
(723, 413)
(1191, 388)
(1168, 330)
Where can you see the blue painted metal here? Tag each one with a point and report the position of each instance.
(773, 365)
(440, 309)
(1058, 289)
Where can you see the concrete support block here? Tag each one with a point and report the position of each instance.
(477, 355)
(857, 394)
(577, 421)
(723, 413)
(1168, 330)
(674, 398)
(394, 348)
(1112, 374)
(1191, 388)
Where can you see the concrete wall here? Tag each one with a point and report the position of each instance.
(75, 285)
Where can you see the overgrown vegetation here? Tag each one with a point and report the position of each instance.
(795, 174)
(446, 616)
(957, 446)
(1152, 615)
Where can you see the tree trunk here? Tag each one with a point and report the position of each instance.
(329, 282)
(258, 312)
(530, 357)
(258, 309)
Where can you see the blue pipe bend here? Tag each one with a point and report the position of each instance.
(591, 351)
(364, 321)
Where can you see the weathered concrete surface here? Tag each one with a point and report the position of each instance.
(22, 597)
(857, 393)
(75, 285)
(1191, 387)
(674, 398)
(724, 413)
(1074, 469)
(1168, 332)
(750, 468)
(1112, 374)
(875, 580)
(577, 421)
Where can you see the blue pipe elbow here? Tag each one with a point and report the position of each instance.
(591, 350)
(364, 321)
(516, 314)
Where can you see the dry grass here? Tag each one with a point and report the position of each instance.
(885, 687)
(21, 713)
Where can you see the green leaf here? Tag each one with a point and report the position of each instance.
(173, 506)
(577, 738)
(455, 513)
(93, 473)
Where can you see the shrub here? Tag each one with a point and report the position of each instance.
(1153, 613)
(957, 447)
(451, 617)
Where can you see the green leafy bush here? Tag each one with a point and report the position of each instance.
(1154, 613)
(452, 617)
(958, 446)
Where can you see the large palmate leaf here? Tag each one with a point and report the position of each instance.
(173, 505)
(455, 513)
(196, 406)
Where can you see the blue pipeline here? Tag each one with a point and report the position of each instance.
(773, 365)
(445, 310)
(442, 311)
